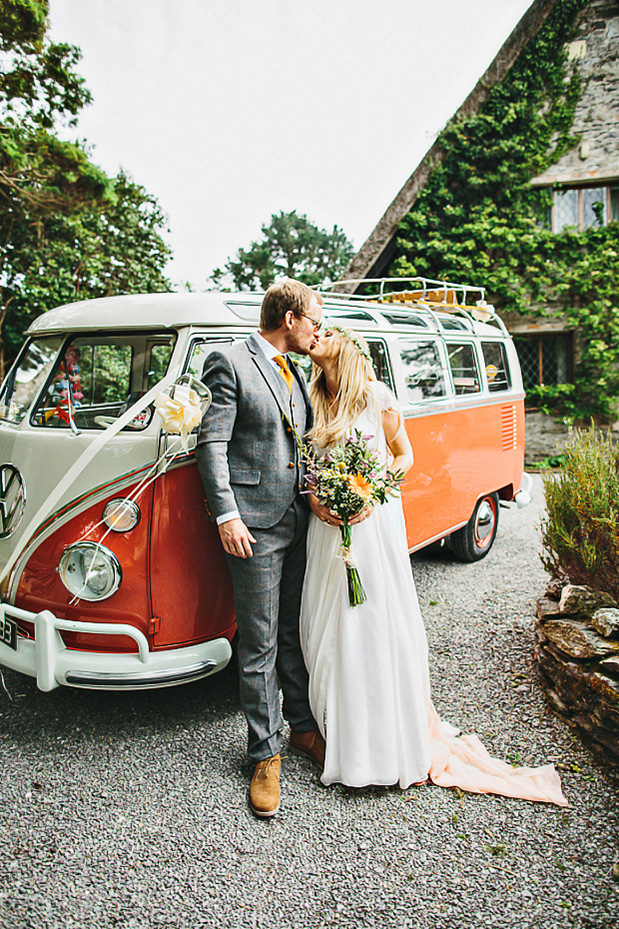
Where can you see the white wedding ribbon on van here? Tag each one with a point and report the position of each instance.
(84, 460)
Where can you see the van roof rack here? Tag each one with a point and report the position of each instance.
(422, 294)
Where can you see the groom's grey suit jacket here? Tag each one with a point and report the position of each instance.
(246, 452)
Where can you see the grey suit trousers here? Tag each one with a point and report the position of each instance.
(267, 597)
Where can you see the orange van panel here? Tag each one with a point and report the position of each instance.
(460, 455)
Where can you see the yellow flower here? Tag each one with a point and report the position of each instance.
(360, 486)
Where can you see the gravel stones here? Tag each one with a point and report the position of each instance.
(129, 811)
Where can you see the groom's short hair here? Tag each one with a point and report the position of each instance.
(283, 296)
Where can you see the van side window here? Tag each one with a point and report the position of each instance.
(159, 359)
(464, 368)
(104, 371)
(380, 360)
(425, 374)
(199, 352)
(497, 369)
(88, 375)
(97, 378)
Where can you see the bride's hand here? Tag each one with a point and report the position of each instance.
(322, 512)
(360, 516)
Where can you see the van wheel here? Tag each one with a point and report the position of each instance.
(474, 541)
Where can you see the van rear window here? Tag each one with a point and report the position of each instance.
(497, 369)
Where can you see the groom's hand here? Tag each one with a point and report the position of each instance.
(236, 538)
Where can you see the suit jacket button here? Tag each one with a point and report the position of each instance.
(291, 464)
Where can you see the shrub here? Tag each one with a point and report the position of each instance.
(580, 532)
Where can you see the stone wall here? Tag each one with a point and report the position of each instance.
(577, 636)
(543, 436)
(595, 54)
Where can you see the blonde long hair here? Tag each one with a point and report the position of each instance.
(333, 417)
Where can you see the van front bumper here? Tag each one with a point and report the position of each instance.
(53, 664)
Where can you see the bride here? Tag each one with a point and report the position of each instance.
(368, 665)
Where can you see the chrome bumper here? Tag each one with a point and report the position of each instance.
(523, 497)
(53, 664)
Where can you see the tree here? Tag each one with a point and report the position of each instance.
(67, 230)
(291, 246)
(86, 254)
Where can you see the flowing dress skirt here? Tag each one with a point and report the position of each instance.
(368, 674)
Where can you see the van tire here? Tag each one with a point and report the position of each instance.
(474, 541)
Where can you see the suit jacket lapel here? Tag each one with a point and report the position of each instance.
(309, 420)
(270, 375)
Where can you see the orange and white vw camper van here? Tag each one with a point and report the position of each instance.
(111, 574)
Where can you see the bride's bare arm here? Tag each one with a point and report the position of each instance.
(397, 441)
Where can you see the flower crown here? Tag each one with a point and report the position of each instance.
(350, 335)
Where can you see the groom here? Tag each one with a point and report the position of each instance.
(252, 476)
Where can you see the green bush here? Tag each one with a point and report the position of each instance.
(580, 532)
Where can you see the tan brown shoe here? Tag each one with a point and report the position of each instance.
(310, 744)
(264, 787)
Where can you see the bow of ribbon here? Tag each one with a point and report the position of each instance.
(182, 409)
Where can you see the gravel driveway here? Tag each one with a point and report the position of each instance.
(130, 810)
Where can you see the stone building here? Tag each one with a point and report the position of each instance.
(584, 182)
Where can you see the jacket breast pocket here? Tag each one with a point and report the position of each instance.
(245, 475)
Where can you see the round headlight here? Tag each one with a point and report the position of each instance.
(90, 571)
(121, 515)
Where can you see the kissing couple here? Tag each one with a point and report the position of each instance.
(355, 680)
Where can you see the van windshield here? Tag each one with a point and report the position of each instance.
(96, 378)
(26, 378)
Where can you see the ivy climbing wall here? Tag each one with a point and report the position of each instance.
(479, 218)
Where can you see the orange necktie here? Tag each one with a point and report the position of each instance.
(285, 371)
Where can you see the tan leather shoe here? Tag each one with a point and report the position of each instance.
(264, 787)
(311, 744)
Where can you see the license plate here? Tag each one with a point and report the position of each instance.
(8, 630)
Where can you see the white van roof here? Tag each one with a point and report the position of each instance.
(145, 311)
(175, 310)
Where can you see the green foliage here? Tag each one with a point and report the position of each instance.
(548, 397)
(38, 82)
(291, 246)
(550, 461)
(478, 220)
(67, 231)
(580, 532)
(83, 255)
(22, 22)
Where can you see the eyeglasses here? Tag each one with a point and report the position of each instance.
(317, 323)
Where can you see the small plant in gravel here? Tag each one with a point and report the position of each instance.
(580, 532)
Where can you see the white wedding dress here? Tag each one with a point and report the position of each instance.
(369, 684)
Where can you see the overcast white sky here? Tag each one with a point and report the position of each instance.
(230, 110)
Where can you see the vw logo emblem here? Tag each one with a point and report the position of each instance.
(12, 499)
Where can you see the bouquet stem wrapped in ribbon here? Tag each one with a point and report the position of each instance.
(356, 593)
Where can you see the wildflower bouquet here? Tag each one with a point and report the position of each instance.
(346, 479)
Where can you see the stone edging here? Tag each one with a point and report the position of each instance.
(577, 650)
